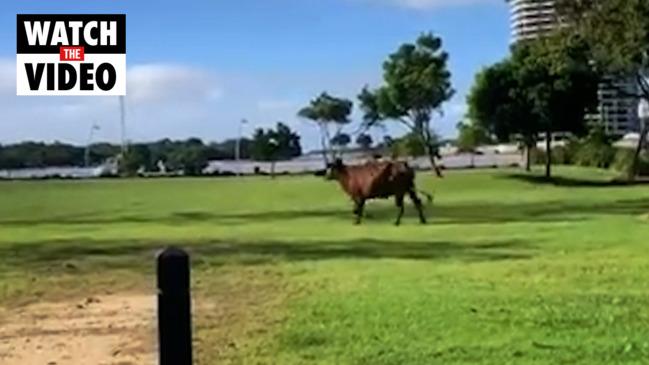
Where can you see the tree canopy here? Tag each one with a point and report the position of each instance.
(417, 82)
(328, 111)
(471, 136)
(617, 35)
(276, 144)
(364, 141)
(544, 86)
(341, 140)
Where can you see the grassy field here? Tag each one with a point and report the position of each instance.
(509, 269)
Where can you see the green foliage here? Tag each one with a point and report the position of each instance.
(616, 31)
(545, 86)
(617, 35)
(561, 155)
(416, 84)
(191, 159)
(558, 81)
(498, 103)
(364, 140)
(280, 143)
(136, 157)
(595, 150)
(327, 111)
(623, 161)
(408, 145)
(36, 155)
(341, 140)
(471, 136)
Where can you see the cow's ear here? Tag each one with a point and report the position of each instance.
(338, 163)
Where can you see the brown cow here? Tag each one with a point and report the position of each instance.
(378, 180)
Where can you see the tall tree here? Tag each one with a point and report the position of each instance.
(417, 82)
(328, 112)
(190, 156)
(136, 158)
(410, 145)
(340, 141)
(617, 33)
(364, 141)
(470, 137)
(275, 144)
(545, 86)
(560, 85)
(500, 106)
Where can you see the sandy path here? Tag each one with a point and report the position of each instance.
(103, 330)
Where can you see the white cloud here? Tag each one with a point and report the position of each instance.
(162, 100)
(157, 83)
(429, 4)
(175, 101)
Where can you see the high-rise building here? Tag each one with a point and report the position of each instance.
(531, 18)
(618, 114)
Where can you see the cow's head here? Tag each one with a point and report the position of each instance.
(334, 169)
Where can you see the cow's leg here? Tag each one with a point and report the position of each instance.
(358, 210)
(398, 201)
(417, 202)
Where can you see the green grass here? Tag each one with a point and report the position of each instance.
(509, 269)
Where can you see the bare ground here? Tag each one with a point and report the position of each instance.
(103, 330)
(236, 313)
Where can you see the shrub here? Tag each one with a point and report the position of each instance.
(624, 158)
(595, 150)
(561, 155)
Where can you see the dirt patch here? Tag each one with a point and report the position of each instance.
(103, 330)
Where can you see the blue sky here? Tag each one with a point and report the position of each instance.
(197, 67)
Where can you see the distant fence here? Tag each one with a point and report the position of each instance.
(300, 165)
(310, 164)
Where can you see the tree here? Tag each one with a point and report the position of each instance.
(341, 140)
(416, 84)
(410, 145)
(617, 34)
(135, 158)
(272, 145)
(364, 141)
(191, 159)
(470, 137)
(328, 111)
(545, 86)
(498, 105)
(560, 85)
(190, 156)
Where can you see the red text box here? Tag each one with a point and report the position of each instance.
(72, 54)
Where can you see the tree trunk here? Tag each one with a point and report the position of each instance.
(272, 169)
(431, 157)
(430, 150)
(633, 172)
(472, 159)
(323, 145)
(548, 154)
(528, 158)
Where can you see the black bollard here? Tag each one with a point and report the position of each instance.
(174, 308)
